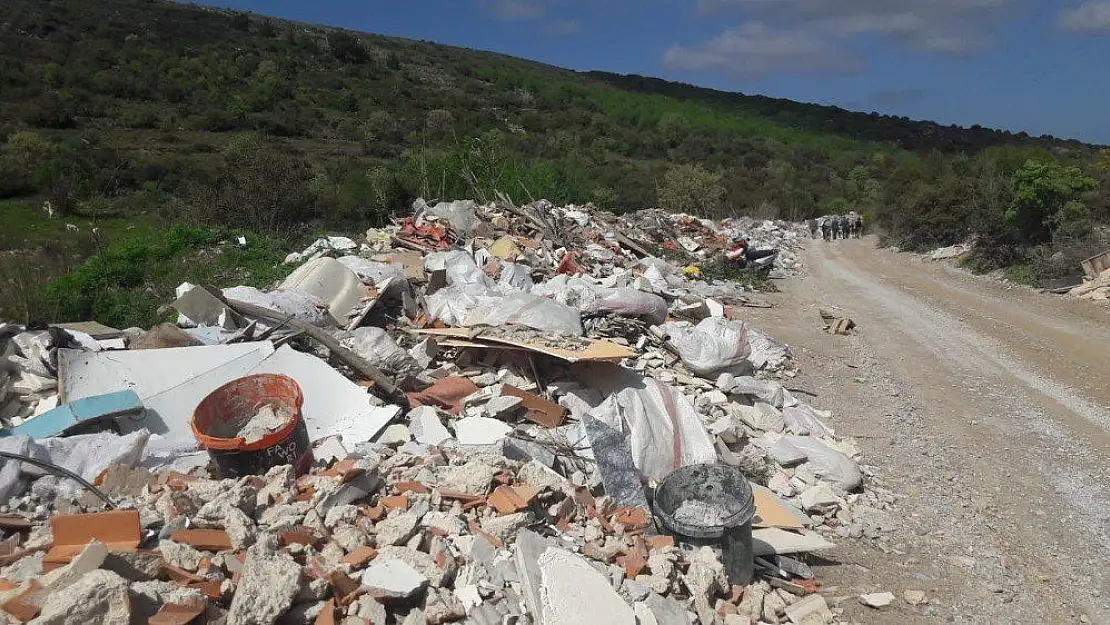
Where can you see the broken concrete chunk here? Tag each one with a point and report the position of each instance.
(269, 582)
(481, 431)
(366, 607)
(526, 554)
(97, 597)
(503, 407)
(392, 579)
(472, 478)
(574, 592)
(540, 476)
(811, 610)
(395, 434)
(442, 606)
(426, 426)
(240, 528)
(505, 526)
(397, 529)
(820, 499)
(423, 563)
(180, 555)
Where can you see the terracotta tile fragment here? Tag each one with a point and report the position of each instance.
(360, 557)
(119, 530)
(205, 540)
(177, 614)
(395, 502)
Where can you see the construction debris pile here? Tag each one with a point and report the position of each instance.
(469, 416)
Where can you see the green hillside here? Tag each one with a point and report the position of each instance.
(133, 115)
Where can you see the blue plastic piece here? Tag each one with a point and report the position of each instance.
(81, 412)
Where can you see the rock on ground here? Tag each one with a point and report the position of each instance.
(877, 599)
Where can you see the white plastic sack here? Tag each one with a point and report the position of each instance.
(711, 346)
(460, 214)
(827, 463)
(86, 455)
(462, 271)
(468, 288)
(372, 271)
(632, 303)
(303, 306)
(803, 420)
(515, 277)
(664, 431)
(453, 304)
(766, 352)
(766, 391)
(656, 272)
(377, 347)
(540, 313)
(573, 291)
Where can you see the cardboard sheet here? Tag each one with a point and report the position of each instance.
(770, 511)
(596, 351)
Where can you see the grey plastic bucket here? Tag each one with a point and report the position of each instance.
(711, 504)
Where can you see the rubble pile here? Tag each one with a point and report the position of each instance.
(487, 398)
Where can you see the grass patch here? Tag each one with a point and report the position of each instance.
(1026, 273)
(125, 284)
(27, 226)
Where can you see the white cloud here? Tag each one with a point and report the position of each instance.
(755, 49)
(1089, 17)
(516, 10)
(563, 28)
(819, 34)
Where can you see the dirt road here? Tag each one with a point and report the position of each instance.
(982, 409)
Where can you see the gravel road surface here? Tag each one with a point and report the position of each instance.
(981, 410)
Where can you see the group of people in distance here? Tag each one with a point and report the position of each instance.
(837, 226)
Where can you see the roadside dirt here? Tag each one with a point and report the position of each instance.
(981, 409)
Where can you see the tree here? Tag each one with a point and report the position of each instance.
(347, 48)
(22, 157)
(1041, 191)
(672, 128)
(440, 121)
(689, 188)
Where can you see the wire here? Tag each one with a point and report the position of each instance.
(62, 471)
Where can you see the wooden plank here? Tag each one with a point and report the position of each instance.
(596, 351)
(356, 362)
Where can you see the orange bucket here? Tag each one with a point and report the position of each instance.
(219, 417)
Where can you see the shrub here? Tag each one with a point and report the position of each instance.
(689, 188)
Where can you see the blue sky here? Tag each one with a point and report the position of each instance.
(1032, 65)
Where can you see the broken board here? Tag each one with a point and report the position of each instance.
(171, 382)
(596, 351)
(775, 541)
(95, 329)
